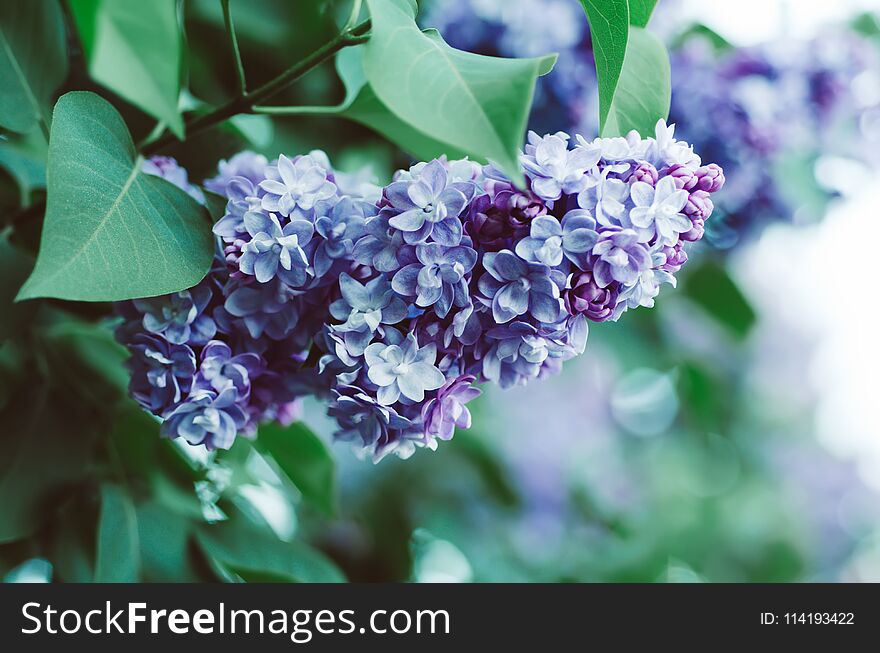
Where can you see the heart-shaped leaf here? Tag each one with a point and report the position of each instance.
(475, 104)
(112, 232)
(33, 61)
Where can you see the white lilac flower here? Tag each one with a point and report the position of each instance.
(296, 186)
(402, 370)
(553, 168)
(657, 211)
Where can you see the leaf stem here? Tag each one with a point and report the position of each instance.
(233, 41)
(245, 103)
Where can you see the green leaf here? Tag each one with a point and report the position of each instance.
(361, 105)
(644, 90)
(304, 458)
(709, 286)
(640, 11)
(33, 61)
(43, 451)
(163, 536)
(15, 266)
(112, 232)
(95, 349)
(118, 556)
(28, 171)
(609, 29)
(134, 49)
(257, 555)
(475, 104)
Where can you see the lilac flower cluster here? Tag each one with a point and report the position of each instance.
(393, 303)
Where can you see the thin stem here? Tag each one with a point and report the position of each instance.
(353, 16)
(245, 103)
(233, 41)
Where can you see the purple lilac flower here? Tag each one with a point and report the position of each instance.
(246, 165)
(438, 278)
(274, 249)
(429, 205)
(447, 411)
(207, 418)
(161, 372)
(513, 287)
(392, 309)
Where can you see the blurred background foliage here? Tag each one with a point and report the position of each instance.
(690, 442)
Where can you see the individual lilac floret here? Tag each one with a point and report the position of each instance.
(180, 316)
(657, 212)
(513, 287)
(242, 198)
(447, 411)
(361, 417)
(295, 185)
(220, 370)
(402, 370)
(438, 279)
(161, 372)
(380, 247)
(207, 418)
(168, 169)
(272, 245)
(586, 297)
(620, 257)
(553, 168)
(364, 308)
(516, 354)
(551, 239)
(340, 230)
(429, 205)
(249, 165)
(264, 308)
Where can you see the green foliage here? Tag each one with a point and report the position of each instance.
(134, 49)
(254, 555)
(710, 286)
(609, 28)
(637, 105)
(33, 61)
(640, 12)
(306, 461)
(632, 66)
(112, 232)
(15, 266)
(472, 103)
(118, 557)
(25, 161)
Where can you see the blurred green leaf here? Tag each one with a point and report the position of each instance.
(134, 49)
(609, 29)
(95, 348)
(112, 232)
(699, 30)
(473, 103)
(15, 266)
(710, 286)
(640, 11)
(257, 555)
(28, 171)
(163, 538)
(216, 205)
(306, 461)
(643, 92)
(33, 61)
(44, 447)
(118, 556)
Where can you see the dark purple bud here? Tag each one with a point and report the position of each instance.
(586, 297)
(675, 256)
